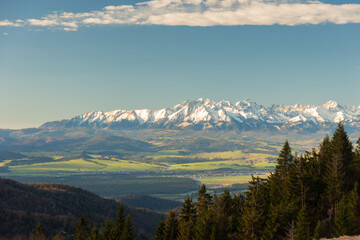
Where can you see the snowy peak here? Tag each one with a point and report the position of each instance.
(210, 114)
(330, 105)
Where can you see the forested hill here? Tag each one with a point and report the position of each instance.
(309, 196)
(58, 207)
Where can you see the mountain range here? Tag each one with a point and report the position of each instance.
(204, 114)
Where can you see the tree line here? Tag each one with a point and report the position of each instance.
(308, 196)
(120, 229)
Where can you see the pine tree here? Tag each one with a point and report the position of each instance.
(106, 232)
(222, 215)
(128, 232)
(95, 234)
(255, 206)
(284, 161)
(342, 218)
(356, 162)
(187, 219)
(171, 226)
(203, 215)
(118, 225)
(237, 220)
(302, 225)
(82, 230)
(342, 151)
(354, 207)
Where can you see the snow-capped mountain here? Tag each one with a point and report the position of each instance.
(209, 114)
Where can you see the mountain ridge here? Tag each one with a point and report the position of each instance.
(222, 115)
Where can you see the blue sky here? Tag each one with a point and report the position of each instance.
(155, 56)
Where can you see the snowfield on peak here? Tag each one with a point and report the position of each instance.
(208, 114)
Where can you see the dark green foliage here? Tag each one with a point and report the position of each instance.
(82, 229)
(302, 225)
(95, 234)
(106, 232)
(118, 225)
(203, 227)
(187, 219)
(58, 208)
(171, 226)
(128, 230)
(314, 194)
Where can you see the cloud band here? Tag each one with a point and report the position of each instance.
(202, 13)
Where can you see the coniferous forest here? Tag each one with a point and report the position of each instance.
(308, 196)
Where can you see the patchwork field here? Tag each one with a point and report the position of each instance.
(117, 166)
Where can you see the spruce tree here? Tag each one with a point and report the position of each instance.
(106, 232)
(95, 234)
(187, 219)
(171, 226)
(254, 216)
(343, 152)
(342, 218)
(118, 225)
(354, 207)
(284, 161)
(222, 214)
(128, 232)
(82, 229)
(302, 225)
(203, 215)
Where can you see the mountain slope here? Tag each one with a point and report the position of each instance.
(58, 206)
(209, 114)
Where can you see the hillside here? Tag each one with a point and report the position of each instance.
(58, 207)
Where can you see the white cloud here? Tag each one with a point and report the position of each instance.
(203, 13)
(5, 33)
(8, 23)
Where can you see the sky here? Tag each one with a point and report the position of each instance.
(61, 58)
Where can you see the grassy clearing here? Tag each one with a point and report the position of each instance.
(126, 165)
(4, 162)
(76, 165)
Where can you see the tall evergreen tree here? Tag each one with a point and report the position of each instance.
(82, 229)
(343, 152)
(254, 216)
(302, 225)
(203, 215)
(342, 218)
(284, 161)
(128, 232)
(187, 219)
(95, 234)
(118, 225)
(106, 232)
(171, 226)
